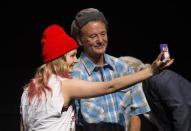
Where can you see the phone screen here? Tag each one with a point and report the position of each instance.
(164, 48)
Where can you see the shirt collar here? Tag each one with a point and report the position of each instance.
(90, 66)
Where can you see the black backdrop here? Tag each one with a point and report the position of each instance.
(135, 29)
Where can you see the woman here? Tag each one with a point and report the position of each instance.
(46, 103)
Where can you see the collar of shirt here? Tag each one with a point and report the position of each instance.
(90, 66)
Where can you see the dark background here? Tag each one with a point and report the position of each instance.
(135, 29)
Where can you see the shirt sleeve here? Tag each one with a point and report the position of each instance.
(139, 103)
(134, 101)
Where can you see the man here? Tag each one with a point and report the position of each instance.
(109, 112)
(168, 94)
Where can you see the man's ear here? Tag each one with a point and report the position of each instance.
(79, 41)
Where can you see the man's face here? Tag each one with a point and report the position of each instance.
(94, 38)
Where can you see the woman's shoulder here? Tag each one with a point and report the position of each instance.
(55, 78)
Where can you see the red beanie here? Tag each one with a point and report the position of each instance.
(56, 43)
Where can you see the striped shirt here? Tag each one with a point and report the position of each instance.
(111, 108)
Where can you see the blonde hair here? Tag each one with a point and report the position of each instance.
(39, 84)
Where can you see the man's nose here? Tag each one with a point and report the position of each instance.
(99, 38)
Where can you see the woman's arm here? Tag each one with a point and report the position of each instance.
(85, 89)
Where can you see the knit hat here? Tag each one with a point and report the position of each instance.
(83, 17)
(56, 43)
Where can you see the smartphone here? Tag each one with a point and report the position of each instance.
(165, 49)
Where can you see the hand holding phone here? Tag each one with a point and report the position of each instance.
(166, 55)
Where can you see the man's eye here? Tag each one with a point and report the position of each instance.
(93, 36)
(103, 34)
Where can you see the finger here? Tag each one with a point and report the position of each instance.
(160, 55)
(166, 60)
(168, 63)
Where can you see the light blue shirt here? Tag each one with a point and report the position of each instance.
(112, 108)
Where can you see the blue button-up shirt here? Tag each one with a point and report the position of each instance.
(111, 108)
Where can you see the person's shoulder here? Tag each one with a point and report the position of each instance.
(114, 59)
(54, 80)
(78, 67)
(118, 64)
(78, 70)
(24, 96)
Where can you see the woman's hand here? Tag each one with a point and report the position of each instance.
(159, 64)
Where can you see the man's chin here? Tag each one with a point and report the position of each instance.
(100, 51)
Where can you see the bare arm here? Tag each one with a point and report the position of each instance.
(84, 89)
(135, 123)
(21, 125)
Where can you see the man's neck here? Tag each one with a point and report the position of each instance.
(98, 60)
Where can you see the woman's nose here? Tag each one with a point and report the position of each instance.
(75, 60)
